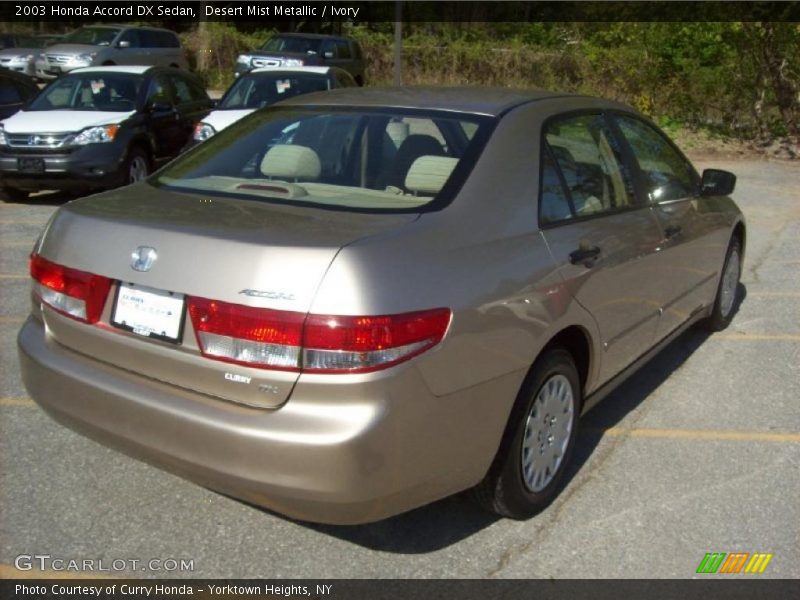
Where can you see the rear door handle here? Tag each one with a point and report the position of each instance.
(585, 256)
(672, 231)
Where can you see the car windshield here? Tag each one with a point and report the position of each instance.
(394, 161)
(263, 89)
(112, 92)
(94, 36)
(292, 44)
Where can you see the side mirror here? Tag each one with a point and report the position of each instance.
(159, 106)
(327, 54)
(717, 182)
(124, 44)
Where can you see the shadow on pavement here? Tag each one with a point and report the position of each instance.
(51, 198)
(453, 519)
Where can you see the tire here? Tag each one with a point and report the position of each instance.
(14, 195)
(514, 487)
(136, 166)
(725, 300)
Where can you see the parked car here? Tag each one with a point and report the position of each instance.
(18, 53)
(99, 127)
(306, 49)
(262, 87)
(350, 304)
(15, 91)
(111, 45)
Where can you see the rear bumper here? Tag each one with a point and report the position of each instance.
(93, 166)
(338, 453)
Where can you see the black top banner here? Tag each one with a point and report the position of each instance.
(380, 11)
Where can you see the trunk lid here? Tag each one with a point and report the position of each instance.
(239, 251)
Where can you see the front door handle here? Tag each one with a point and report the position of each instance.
(672, 231)
(585, 255)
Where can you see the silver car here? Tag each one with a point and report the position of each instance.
(111, 45)
(348, 305)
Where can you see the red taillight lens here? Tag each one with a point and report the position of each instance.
(359, 344)
(257, 337)
(75, 293)
(274, 339)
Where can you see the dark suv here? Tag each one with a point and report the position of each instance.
(99, 127)
(304, 50)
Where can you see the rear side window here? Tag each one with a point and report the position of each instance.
(553, 202)
(668, 176)
(590, 162)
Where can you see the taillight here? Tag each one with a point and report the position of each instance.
(265, 338)
(257, 337)
(75, 293)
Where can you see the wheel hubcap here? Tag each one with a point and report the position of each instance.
(547, 432)
(730, 281)
(138, 170)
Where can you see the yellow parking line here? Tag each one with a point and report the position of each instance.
(11, 572)
(4, 319)
(702, 434)
(14, 275)
(26, 402)
(787, 337)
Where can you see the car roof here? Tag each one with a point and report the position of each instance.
(320, 70)
(318, 36)
(135, 70)
(465, 99)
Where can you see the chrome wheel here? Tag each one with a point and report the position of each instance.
(137, 170)
(547, 432)
(730, 281)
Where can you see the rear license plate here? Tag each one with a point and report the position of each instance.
(149, 312)
(30, 165)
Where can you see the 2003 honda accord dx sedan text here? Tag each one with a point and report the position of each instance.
(351, 304)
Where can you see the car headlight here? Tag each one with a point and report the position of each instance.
(203, 131)
(292, 62)
(96, 135)
(244, 59)
(3, 140)
(85, 58)
(22, 59)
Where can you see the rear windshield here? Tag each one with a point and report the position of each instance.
(256, 91)
(95, 36)
(108, 92)
(376, 161)
(292, 44)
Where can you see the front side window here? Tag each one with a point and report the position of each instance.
(95, 36)
(591, 165)
(158, 92)
(343, 159)
(668, 176)
(132, 36)
(111, 92)
(292, 44)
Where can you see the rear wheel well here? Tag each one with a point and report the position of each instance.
(740, 233)
(574, 340)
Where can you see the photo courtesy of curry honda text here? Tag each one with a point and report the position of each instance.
(350, 304)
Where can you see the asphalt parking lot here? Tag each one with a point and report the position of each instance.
(699, 452)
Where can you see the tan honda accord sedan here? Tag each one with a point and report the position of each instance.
(351, 304)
